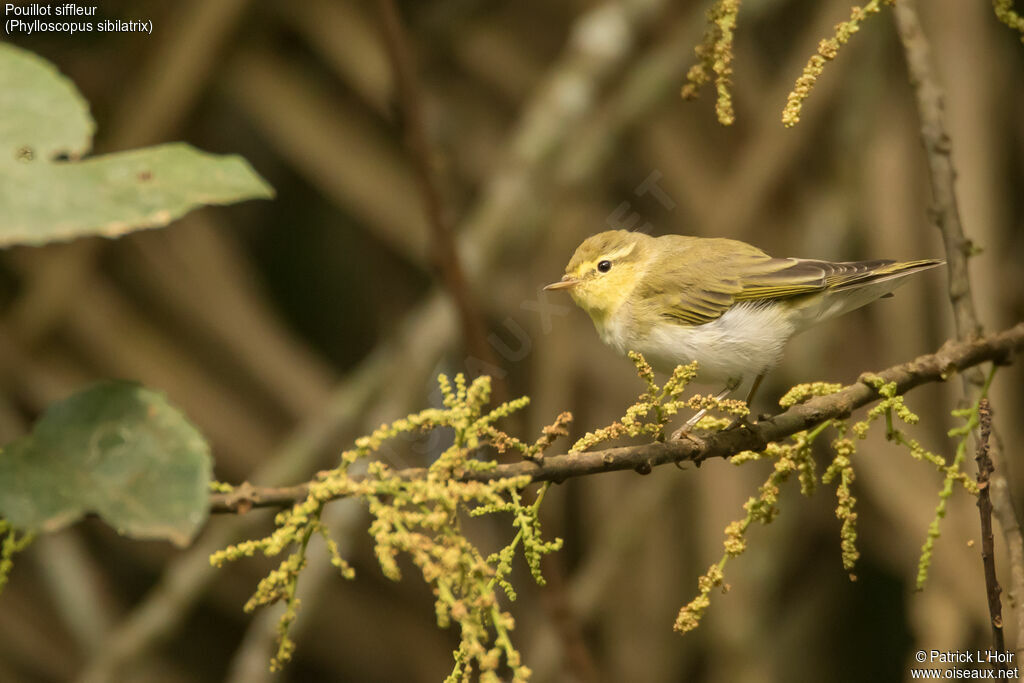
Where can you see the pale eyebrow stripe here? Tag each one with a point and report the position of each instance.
(624, 251)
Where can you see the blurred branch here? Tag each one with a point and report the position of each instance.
(338, 147)
(342, 33)
(176, 73)
(496, 57)
(445, 253)
(946, 213)
(938, 147)
(558, 603)
(79, 590)
(936, 367)
(120, 339)
(601, 40)
(653, 77)
(200, 273)
(184, 581)
(164, 608)
(995, 608)
(32, 649)
(759, 166)
(75, 585)
(600, 43)
(169, 83)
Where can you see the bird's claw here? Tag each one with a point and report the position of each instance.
(684, 433)
(739, 422)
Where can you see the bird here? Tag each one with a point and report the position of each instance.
(721, 302)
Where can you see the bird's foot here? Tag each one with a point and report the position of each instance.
(685, 432)
(740, 422)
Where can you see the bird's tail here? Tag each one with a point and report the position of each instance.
(863, 273)
(855, 284)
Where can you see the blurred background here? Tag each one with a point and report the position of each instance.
(286, 328)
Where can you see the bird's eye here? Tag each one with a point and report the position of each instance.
(604, 266)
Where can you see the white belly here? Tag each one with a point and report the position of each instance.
(747, 340)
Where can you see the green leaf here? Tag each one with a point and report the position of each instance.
(114, 194)
(43, 199)
(41, 111)
(117, 449)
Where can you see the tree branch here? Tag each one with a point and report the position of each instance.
(992, 588)
(939, 151)
(935, 367)
(928, 96)
(545, 126)
(445, 256)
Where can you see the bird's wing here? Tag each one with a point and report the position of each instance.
(697, 280)
(694, 281)
(787, 277)
(694, 304)
(796, 277)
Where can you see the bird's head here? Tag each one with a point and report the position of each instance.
(604, 271)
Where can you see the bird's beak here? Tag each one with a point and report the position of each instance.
(565, 283)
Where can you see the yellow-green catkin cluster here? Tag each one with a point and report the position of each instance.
(11, 543)
(802, 392)
(654, 408)
(690, 615)
(1006, 14)
(794, 456)
(827, 51)
(714, 56)
(892, 407)
(422, 518)
(841, 468)
(788, 458)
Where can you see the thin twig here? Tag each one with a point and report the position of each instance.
(992, 588)
(446, 256)
(938, 147)
(946, 213)
(952, 357)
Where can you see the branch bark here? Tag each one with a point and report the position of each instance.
(945, 211)
(992, 588)
(935, 367)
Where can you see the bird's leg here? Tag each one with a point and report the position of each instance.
(750, 397)
(753, 389)
(684, 430)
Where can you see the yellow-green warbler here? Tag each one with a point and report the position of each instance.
(723, 303)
